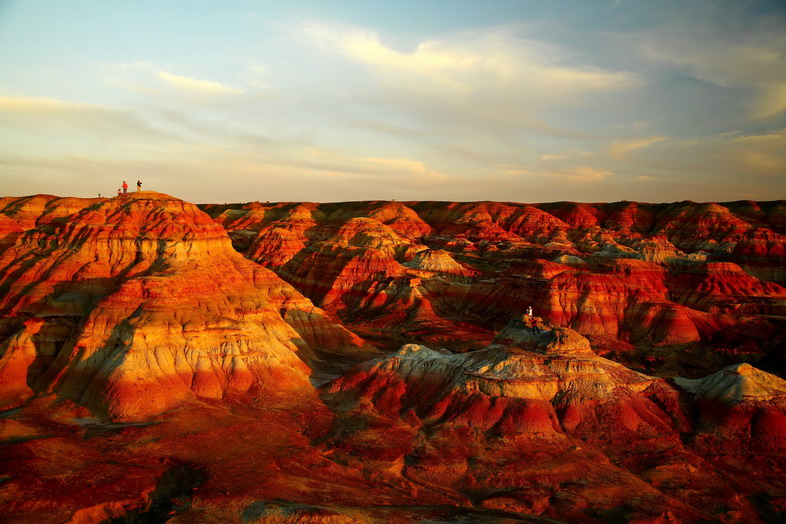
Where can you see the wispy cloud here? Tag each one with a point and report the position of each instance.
(617, 149)
(491, 81)
(754, 62)
(473, 60)
(36, 105)
(152, 79)
(37, 115)
(747, 155)
(197, 86)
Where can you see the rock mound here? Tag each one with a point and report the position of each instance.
(136, 304)
(558, 386)
(438, 261)
(628, 274)
(741, 405)
(740, 383)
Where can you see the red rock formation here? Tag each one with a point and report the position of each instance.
(762, 253)
(629, 217)
(557, 384)
(534, 410)
(139, 303)
(9, 232)
(353, 258)
(710, 227)
(743, 405)
(138, 308)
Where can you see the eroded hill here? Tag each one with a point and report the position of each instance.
(368, 362)
(681, 288)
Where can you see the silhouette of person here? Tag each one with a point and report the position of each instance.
(139, 185)
(534, 325)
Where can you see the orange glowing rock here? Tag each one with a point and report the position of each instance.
(625, 274)
(140, 304)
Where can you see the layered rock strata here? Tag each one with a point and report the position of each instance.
(742, 406)
(625, 274)
(538, 424)
(136, 304)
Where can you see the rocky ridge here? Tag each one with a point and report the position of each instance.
(150, 371)
(133, 305)
(480, 424)
(628, 275)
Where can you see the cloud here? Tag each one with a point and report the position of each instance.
(36, 105)
(197, 86)
(339, 165)
(151, 79)
(753, 61)
(771, 101)
(754, 156)
(38, 115)
(617, 149)
(472, 61)
(581, 173)
(574, 166)
(490, 81)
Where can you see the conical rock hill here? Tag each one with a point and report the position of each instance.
(135, 304)
(741, 406)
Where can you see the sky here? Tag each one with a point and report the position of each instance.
(506, 100)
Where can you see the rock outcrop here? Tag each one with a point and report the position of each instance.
(547, 382)
(743, 405)
(163, 362)
(625, 274)
(136, 304)
(536, 414)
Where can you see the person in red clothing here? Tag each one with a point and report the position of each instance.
(533, 323)
(125, 187)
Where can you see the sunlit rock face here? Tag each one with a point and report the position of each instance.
(650, 391)
(538, 423)
(545, 382)
(20, 214)
(136, 304)
(624, 274)
(741, 406)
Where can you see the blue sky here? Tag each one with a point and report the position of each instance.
(524, 101)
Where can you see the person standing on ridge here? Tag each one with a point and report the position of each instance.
(139, 185)
(125, 187)
(533, 322)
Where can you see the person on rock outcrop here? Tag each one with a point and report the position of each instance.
(125, 187)
(139, 185)
(119, 191)
(533, 323)
(529, 311)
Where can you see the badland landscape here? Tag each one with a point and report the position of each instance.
(392, 262)
(370, 361)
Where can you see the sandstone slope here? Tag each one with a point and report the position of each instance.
(695, 276)
(135, 304)
(539, 424)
